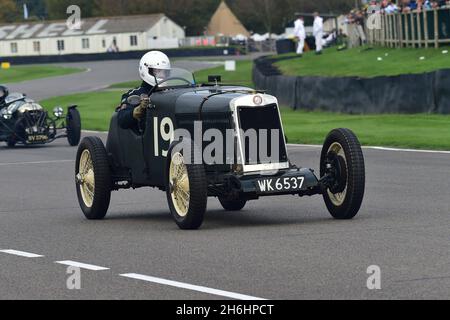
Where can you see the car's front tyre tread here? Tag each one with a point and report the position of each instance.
(73, 127)
(355, 174)
(198, 195)
(102, 193)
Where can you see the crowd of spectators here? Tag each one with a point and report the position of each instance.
(404, 6)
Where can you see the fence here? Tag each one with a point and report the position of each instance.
(429, 28)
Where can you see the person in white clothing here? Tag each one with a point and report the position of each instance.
(318, 32)
(300, 33)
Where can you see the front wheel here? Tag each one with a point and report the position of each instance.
(187, 190)
(93, 178)
(342, 170)
(73, 120)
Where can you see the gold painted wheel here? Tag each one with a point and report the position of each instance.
(338, 198)
(86, 178)
(179, 185)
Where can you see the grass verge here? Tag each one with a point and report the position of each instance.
(419, 131)
(24, 73)
(366, 62)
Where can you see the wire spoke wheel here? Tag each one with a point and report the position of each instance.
(87, 178)
(342, 170)
(179, 182)
(338, 198)
(187, 190)
(93, 178)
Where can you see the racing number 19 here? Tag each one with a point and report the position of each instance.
(166, 130)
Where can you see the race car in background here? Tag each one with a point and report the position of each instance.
(23, 121)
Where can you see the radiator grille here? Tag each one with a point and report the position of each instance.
(260, 118)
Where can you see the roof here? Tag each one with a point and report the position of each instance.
(224, 22)
(90, 26)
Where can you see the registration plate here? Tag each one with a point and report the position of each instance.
(280, 185)
(37, 138)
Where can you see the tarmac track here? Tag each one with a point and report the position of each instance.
(276, 248)
(98, 75)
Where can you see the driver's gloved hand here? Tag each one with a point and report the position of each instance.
(139, 111)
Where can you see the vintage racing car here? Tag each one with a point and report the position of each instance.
(169, 151)
(23, 121)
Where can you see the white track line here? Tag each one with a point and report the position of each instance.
(36, 162)
(375, 148)
(190, 287)
(82, 265)
(409, 150)
(21, 253)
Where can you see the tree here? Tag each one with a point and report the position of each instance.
(8, 11)
(257, 15)
(57, 9)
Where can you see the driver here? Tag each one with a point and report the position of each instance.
(3, 94)
(154, 67)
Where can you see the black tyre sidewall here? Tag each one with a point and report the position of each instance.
(198, 199)
(232, 204)
(73, 127)
(355, 170)
(102, 194)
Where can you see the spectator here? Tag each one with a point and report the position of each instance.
(391, 8)
(300, 33)
(318, 32)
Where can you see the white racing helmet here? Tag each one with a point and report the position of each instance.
(154, 64)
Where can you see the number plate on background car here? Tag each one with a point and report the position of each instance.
(37, 138)
(280, 185)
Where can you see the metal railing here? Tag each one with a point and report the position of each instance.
(429, 28)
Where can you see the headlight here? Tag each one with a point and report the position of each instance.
(58, 112)
(7, 115)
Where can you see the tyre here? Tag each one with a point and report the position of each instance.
(11, 142)
(73, 121)
(342, 167)
(93, 178)
(232, 204)
(187, 190)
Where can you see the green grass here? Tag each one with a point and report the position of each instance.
(242, 76)
(406, 131)
(363, 62)
(421, 131)
(96, 108)
(126, 85)
(24, 73)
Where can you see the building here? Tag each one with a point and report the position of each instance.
(96, 35)
(225, 23)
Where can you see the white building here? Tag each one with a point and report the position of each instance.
(96, 35)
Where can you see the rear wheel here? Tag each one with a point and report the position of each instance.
(11, 142)
(186, 191)
(232, 204)
(93, 178)
(73, 121)
(343, 170)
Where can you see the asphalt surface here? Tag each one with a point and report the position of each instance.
(276, 248)
(98, 75)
